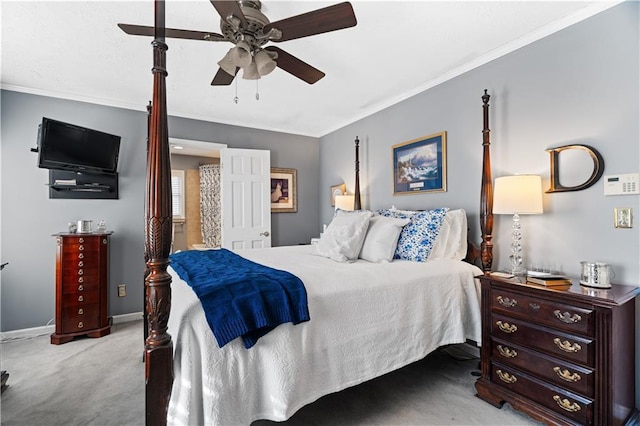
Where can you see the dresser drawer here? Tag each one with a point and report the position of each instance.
(569, 376)
(88, 246)
(76, 289)
(81, 319)
(73, 273)
(73, 257)
(568, 404)
(79, 299)
(571, 348)
(89, 241)
(88, 260)
(565, 317)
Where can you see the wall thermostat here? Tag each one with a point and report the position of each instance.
(625, 184)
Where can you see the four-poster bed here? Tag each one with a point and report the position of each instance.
(159, 351)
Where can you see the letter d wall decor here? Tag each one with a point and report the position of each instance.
(554, 181)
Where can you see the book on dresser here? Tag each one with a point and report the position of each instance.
(550, 281)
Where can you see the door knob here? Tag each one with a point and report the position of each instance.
(265, 233)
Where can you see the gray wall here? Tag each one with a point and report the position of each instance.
(578, 86)
(29, 217)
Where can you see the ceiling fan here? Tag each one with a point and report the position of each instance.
(243, 24)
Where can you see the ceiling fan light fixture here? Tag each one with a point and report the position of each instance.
(250, 72)
(228, 64)
(264, 62)
(242, 54)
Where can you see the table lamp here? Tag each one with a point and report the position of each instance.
(345, 202)
(516, 195)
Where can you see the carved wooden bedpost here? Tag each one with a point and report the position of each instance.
(357, 205)
(486, 192)
(158, 345)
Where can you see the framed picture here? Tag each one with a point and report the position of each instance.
(337, 190)
(420, 165)
(283, 191)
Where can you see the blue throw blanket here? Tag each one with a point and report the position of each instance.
(241, 297)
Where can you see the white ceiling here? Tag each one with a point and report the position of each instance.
(74, 50)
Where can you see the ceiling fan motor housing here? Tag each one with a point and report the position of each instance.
(253, 32)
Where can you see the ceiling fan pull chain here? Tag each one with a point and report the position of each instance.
(235, 99)
(257, 93)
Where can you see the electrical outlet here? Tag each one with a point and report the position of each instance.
(122, 290)
(623, 217)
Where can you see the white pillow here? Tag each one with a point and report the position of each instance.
(382, 238)
(451, 242)
(344, 236)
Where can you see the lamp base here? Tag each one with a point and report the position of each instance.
(518, 271)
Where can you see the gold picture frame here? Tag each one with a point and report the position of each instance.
(284, 197)
(420, 165)
(337, 190)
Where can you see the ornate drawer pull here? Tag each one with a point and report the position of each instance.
(81, 264)
(80, 272)
(567, 317)
(104, 241)
(80, 287)
(566, 405)
(534, 306)
(80, 324)
(81, 248)
(506, 327)
(81, 240)
(81, 256)
(506, 377)
(566, 376)
(80, 279)
(507, 352)
(80, 311)
(567, 346)
(506, 302)
(80, 298)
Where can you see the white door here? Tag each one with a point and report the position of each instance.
(245, 198)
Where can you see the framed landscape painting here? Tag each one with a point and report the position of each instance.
(283, 190)
(420, 165)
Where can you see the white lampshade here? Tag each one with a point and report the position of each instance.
(250, 72)
(264, 62)
(242, 53)
(521, 194)
(227, 63)
(238, 56)
(345, 202)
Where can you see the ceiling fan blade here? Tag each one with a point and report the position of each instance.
(229, 7)
(295, 66)
(222, 78)
(172, 33)
(319, 21)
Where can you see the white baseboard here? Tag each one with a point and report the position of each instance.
(26, 333)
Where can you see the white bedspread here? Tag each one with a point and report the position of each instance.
(367, 319)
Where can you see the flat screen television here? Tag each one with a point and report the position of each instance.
(65, 146)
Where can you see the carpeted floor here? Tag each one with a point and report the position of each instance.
(101, 382)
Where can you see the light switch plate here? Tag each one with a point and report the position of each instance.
(623, 217)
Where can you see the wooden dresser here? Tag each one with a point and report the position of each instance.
(82, 281)
(564, 356)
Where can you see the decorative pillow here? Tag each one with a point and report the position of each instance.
(382, 238)
(344, 236)
(451, 242)
(417, 238)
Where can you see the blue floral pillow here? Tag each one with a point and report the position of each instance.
(418, 236)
